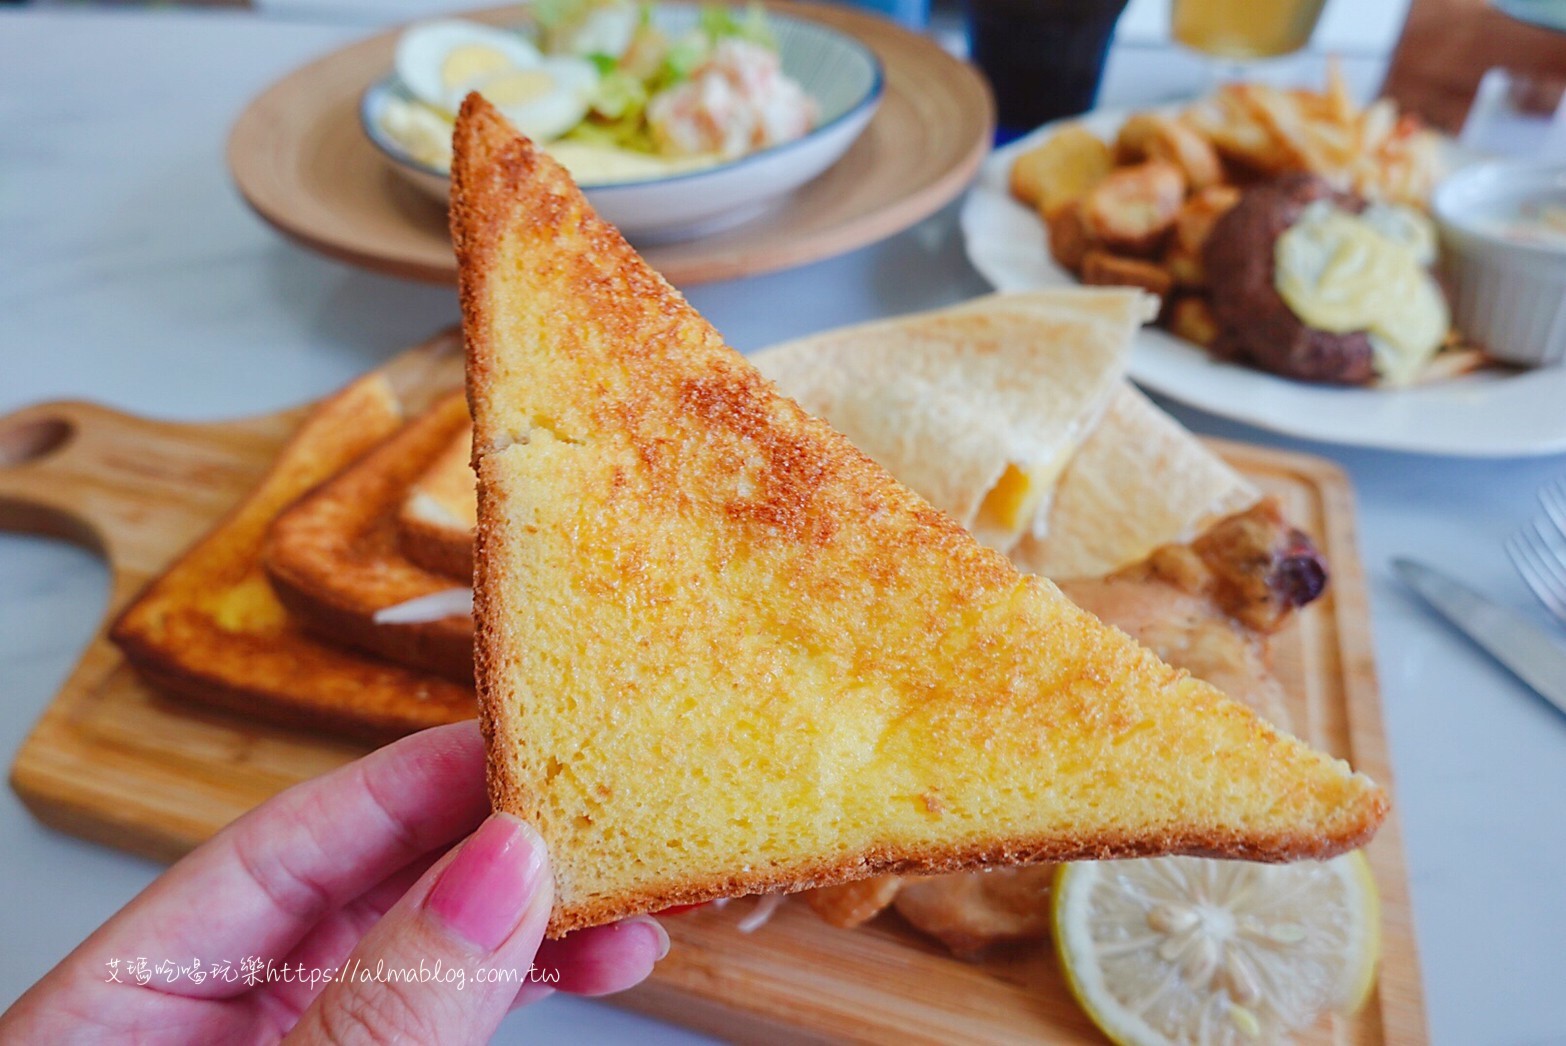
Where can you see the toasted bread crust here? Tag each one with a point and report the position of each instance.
(437, 547)
(1277, 849)
(435, 523)
(334, 557)
(211, 630)
(806, 493)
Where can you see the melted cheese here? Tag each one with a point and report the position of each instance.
(1340, 272)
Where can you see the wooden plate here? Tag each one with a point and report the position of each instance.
(113, 760)
(302, 162)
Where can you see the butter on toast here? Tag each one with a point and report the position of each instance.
(211, 630)
(1129, 478)
(720, 651)
(435, 523)
(334, 558)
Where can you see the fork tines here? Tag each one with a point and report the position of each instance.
(1539, 554)
(1553, 498)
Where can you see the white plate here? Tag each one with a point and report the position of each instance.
(839, 72)
(1489, 414)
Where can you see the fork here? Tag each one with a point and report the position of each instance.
(1539, 551)
(1553, 498)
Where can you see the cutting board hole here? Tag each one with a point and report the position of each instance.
(32, 440)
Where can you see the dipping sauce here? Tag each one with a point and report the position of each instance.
(1533, 223)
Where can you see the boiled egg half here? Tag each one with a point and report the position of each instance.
(544, 96)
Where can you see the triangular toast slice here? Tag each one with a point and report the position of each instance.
(335, 560)
(212, 630)
(436, 519)
(720, 651)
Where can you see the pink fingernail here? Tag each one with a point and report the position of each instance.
(660, 935)
(482, 893)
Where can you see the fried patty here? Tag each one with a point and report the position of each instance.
(1255, 324)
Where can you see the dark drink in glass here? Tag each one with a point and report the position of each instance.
(1044, 58)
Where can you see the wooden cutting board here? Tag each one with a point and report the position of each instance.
(114, 761)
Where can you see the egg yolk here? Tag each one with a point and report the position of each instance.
(466, 64)
(518, 87)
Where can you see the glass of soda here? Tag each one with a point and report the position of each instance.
(1044, 58)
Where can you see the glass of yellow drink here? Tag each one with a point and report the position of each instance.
(1244, 30)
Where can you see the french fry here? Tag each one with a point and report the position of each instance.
(1186, 148)
(1200, 213)
(1185, 268)
(1340, 105)
(1191, 318)
(1372, 151)
(1100, 268)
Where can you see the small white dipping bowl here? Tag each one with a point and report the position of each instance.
(840, 73)
(1508, 294)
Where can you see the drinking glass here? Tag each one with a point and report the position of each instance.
(1234, 32)
(1044, 58)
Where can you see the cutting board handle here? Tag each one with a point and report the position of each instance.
(79, 471)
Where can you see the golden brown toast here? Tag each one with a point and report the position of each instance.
(435, 523)
(334, 557)
(720, 651)
(211, 629)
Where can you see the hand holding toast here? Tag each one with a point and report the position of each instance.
(339, 913)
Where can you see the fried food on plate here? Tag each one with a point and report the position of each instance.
(1106, 269)
(1373, 152)
(1069, 239)
(1061, 170)
(1191, 317)
(722, 652)
(1192, 227)
(1209, 606)
(1320, 285)
(1200, 213)
(1149, 221)
(1133, 208)
(1155, 136)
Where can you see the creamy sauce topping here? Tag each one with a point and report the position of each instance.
(1342, 272)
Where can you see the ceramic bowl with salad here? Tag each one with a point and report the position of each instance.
(676, 118)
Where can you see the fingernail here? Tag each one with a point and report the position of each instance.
(660, 934)
(482, 894)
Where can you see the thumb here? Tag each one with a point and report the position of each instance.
(444, 963)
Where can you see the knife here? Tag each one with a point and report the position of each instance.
(1517, 643)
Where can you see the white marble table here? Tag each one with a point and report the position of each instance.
(131, 273)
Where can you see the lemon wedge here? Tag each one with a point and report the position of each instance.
(1190, 950)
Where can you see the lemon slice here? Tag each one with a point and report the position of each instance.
(1189, 950)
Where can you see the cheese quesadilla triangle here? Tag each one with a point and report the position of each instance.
(1139, 480)
(977, 408)
(720, 651)
(1010, 414)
